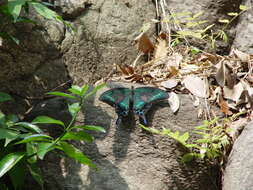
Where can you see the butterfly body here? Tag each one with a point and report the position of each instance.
(139, 100)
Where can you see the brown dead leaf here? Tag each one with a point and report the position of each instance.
(126, 69)
(224, 106)
(224, 75)
(196, 86)
(244, 57)
(135, 78)
(161, 49)
(144, 44)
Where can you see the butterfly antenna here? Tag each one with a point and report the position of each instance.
(144, 119)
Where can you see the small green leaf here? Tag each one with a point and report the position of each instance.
(232, 14)
(8, 135)
(91, 127)
(30, 126)
(74, 108)
(76, 154)
(17, 175)
(81, 135)
(202, 141)
(10, 160)
(4, 97)
(43, 148)
(15, 7)
(223, 20)
(43, 10)
(195, 50)
(35, 137)
(85, 88)
(47, 120)
(30, 150)
(95, 90)
(76, 90)
(243, 7)
(61, 94)
(184, 137)
(36, 174)
(190, 33)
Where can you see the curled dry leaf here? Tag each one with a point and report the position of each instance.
(161, 49)
(174, 102)
(234, 93)
(197, 86)
(224, 106)
(169, 84)
(224, 75)
(144, 44)
(244, 57)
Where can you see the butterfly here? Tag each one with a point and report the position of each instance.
(139, 100)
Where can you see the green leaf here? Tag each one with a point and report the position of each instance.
(36, 174)
(95, 90)
(4, 97)
(195, 50)
(232, 14)
(61, 94)
(30, 126)
(81, 135)
(3, 186)
(202, 141)
(43, 10)
(17, 175)
(43, 148)
(190, 33)
(76, 90)
(223, 20)
(47, 120)
(76, 154)
(8, 135)
(184, 137)
(74, 108)
(30, 150)
(35, 137)
(84, 89)
(15, 7)
(243, 7)
(91, 127)
(152, 130)
(9, 161)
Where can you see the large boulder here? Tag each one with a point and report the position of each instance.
(128, 157)
(238, 172)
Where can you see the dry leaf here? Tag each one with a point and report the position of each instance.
(174, 102)
(144, 44)
(224, 76)
(126, 69)
(224, 106)
(234, 93)
(171, 83)
(244, 57)
(161, 49)
(196, 86)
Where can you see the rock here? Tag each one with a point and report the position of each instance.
(238, 173)
(128, 158)
(243, 38)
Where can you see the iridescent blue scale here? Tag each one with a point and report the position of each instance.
(140, 98)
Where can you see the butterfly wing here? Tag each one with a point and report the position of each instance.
(119, 98)
(143, 99)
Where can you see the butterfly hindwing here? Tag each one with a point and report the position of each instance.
(143, 99)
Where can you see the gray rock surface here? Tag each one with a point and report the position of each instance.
(243, 39)
(128, 158)
(238, 173)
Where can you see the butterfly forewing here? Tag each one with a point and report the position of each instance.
(117, 97)
(147, 95)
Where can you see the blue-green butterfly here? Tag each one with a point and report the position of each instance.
(139, 100)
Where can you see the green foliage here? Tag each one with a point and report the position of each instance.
(212, 141)
(33, 144)
(13, 8)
